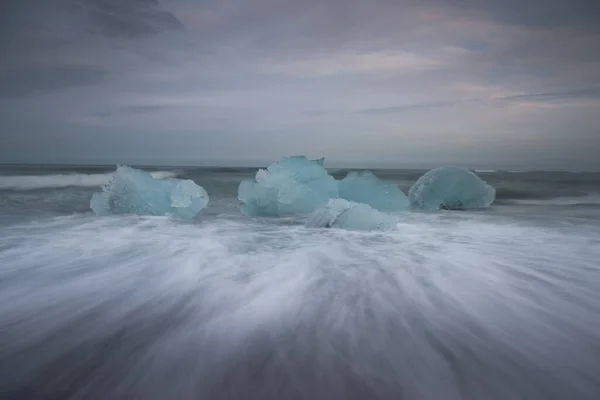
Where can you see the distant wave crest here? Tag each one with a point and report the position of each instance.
(589, 200)
(57, 181)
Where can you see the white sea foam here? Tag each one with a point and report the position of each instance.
(56, 181)
(590, 199)
(166, 309)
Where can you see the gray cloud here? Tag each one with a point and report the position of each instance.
(370, 79)
(537, 13)
(587, 93)
(53, 44)
(34, 79)
(408, 107)
(131, 110)
(592, 93)
(129, 18)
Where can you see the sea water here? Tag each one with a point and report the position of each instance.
(502, 303)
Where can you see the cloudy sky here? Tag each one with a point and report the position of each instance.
(488, 82)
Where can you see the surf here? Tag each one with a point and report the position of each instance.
(60, 181)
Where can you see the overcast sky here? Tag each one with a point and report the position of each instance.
(488, 82)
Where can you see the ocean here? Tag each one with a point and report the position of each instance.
(502, 303)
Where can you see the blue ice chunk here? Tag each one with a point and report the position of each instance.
(451, 188)
(365, 187)
(340, 213)
(132, 191)
(292, 185)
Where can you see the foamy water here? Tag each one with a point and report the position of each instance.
(502, 304)
(57, 181)
(590, 199)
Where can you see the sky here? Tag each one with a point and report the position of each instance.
(396, 82)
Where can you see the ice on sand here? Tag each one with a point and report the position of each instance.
(451, 188)
(364, 187)
(132, 191)
(292, 185)
(340, 213)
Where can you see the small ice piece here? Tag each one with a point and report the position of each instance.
(292, 185)
(365, 187)
(340, 213)
(451, 188)
(132, 191)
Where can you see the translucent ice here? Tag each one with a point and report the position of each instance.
(364, 187)
(291, 185)
(340, 213)
(451, 188)
(132, 191)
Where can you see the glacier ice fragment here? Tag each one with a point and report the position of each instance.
(451, 188)
(292, 185)
(340, 213)
(365, 187)
(132, 191)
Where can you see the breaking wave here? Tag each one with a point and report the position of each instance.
(57, 181)
(591, 199)
(130, 307)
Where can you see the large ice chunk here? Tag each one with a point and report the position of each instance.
(340, 213)
(451, 188)
(132, 191)
(365, 187)
(291, 185)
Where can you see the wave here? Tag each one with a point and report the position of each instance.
(57, 181)
(509, 171)
(591, 199)
(298, 304)
(506, 193)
